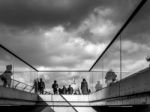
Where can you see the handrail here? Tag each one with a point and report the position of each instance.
(21, 82)
(27, 85)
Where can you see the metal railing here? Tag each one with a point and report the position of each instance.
(24, 87)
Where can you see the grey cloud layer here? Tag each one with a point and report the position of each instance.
(58, 50)
(139, 29)
(24, 13)
(44, 12)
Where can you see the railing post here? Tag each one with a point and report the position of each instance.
(17, 85)
(25, 87)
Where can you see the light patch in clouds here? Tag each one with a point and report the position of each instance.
(98, 27)
(64, 4)
(104, 30)
(74, 49)
(103, 12)
(132, 47)
(133, 66)
(54, 48)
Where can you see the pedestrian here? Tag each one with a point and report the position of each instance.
(41, 86)
(6, 76)
(84, 87)
(60, 91)
(70, 90)
(64, 90)
(98, 86)
(55, 87)
(35, 86)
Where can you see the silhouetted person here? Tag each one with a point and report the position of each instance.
(70, 90)
(110, 77)
(98, 86)
(41, 86)
(6, 76)
(55, 87)
(60, 91)
(64, 90)
(35, 85)
(84, 87)
(38, 85)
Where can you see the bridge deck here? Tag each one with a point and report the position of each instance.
(133, 90)
(9, 96)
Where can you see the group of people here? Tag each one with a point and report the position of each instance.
(72, 89)
(110, 78)
(39, 86)
(64, 90)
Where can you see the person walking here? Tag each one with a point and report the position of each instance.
(41, 86)
(64, 90)
(55, 87)
(6, 76)
(98, 86)
(60, 91)
(84, 87)
(70, 90)
(35, 86)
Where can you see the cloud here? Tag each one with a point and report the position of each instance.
(71, 34)
(22, 13)
(54, 48)
(138, 30)
(99, 27)
(133, 57)
(132, 47)
(47, 13)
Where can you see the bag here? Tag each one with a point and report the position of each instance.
(2, 78)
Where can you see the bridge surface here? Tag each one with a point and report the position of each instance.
(131, 91)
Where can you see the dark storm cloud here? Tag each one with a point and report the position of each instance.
(139, 28)
(44, 12)
(24, 13)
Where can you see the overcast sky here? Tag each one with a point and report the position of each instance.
(71, 34)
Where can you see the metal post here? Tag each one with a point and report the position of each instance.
(120, 57)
